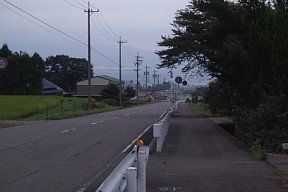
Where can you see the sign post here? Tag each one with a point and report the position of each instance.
(3, 64)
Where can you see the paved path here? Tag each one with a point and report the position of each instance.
(199, 156)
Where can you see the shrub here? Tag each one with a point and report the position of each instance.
(267, 124)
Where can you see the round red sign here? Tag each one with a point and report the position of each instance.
(3, 64)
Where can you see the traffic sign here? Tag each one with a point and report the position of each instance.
(178, 79)
(3, 64)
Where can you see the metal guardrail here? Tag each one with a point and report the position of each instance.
(160, 129)
(130, 174)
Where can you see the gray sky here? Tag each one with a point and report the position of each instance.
(140, 23)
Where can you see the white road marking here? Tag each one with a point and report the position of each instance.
(96, 122)
(68, 130)
(114, 118)
(137, 138)
(126, 115)
(15, 145)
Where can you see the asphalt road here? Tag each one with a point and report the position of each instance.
(68, 155)
(199, 156)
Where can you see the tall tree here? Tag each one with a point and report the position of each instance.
(243, 45)
(65, 71)
(23, 75)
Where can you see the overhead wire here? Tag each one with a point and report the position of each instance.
(62, 37)
(80, 4)
(54, 28)
(106, 34)
(73, 4)
(106, 23)
(45, 23)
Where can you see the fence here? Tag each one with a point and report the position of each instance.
(130, 174)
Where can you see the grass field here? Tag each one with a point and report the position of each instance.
(46, 107)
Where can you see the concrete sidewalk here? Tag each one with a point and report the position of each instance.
(200, 156)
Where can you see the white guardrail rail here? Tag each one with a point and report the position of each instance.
(130, 174)
(160, 129)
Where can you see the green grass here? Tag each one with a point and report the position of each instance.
(281, 171)
(46, 107)
(202, 109)
(17, 107)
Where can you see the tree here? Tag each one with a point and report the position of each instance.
(242, 44)
(130, 92)
(110, 94)
(65, 71)
(23, 75)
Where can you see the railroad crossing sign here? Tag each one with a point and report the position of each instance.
(3, 64)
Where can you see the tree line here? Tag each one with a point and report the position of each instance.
(243, 46)
(25, 73)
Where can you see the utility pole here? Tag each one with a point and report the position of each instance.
(138, 62)
(90, 12)
(120, 78)
(146, 73)
(154, 77)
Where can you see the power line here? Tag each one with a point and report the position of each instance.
(79, 43)
(108, 25)
(80, 4)
(73, 4)
(65, 34)
(106, 35)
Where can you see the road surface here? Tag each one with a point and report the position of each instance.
(69, 155)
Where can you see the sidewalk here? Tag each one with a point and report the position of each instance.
(199, 156)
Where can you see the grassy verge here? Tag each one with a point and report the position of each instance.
(46, 107)
(17, 107)
(202, 109)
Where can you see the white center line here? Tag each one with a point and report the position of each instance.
(126, 115)
(114, 118)
(68, 130)
(97, 122)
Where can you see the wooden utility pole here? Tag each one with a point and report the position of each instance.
(120, 78)
(90, 12)
(138, 62)
(146, 73)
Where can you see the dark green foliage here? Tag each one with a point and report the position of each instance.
(23, 75)
(130, 92)
(267, 124)
(218, 97)
(65, 71)
(110, 94)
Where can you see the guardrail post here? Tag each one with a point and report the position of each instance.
(157, 132)
(131, 176)
(142, 162)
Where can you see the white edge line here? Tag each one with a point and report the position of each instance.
(137, 138)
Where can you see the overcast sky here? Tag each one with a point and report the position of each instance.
(46, 27)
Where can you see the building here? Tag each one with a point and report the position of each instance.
(97, 84)
(50, 88)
